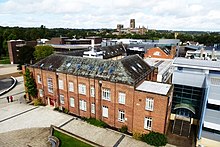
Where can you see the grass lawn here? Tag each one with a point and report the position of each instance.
(4, 60)
(67, 141)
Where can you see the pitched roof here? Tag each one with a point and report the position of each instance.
(129, 70)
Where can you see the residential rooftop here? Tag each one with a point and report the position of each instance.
(129, 70)
(154, 87)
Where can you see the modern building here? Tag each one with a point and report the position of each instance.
(14, 47)
(196, 99)
(118, 92)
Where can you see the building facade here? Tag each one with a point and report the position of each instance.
(196, 98)
(116, 92)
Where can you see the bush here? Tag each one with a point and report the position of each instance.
(56, 108)
(155, 139)
(124, 129)
(66, 111)
(38, 102)
(96, 122)
(137, 136)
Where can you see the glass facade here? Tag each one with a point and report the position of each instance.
(187, 95)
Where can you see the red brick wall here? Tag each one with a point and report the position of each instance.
(158, 114)
(134, 106)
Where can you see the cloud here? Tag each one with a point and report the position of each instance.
(166, 14)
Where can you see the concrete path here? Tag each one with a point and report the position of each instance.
(17, 92)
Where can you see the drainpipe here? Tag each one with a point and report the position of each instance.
(67, 93)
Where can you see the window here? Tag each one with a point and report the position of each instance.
(121, 116)
(71, 88)
(39, 79)
(82, 105)
(105, 111)
(82, 89)
(93, 108)
(121, 98)
(60, 84)
(62, 99)
(41, 92)
(106, 95)
(148, 123)
(92, 91)
(50, 85)
(72, 102)
(149, 104)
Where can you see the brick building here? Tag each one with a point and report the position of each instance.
(14, 47)
(118, 92)
(161, 52)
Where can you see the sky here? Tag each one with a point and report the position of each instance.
(185, 15)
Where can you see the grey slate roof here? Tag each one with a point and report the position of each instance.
(129, 70)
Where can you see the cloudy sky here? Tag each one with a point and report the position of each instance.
(155, 14)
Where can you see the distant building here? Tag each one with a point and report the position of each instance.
(132, 29)
(118, 92)
(119, 27)
(132, 23)
(14, 47)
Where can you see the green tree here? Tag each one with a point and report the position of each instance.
(25, 55)
(30, 84)
(42, 52)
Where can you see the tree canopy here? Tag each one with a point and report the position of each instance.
(25, 55)
(42, 51)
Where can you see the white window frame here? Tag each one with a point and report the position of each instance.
(148, 123)
(61, 99)
(92, 91)
(105, 111)
(121, 115)
(50, 85)
(106, 94)
(71, 87)
(61, 84)
(39, 79)
(121, 97)
(41, 92)
(149, 104)
(93, 108)
(82, 89)
(82, 105)
(72, 102)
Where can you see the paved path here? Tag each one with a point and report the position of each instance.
(17, 92)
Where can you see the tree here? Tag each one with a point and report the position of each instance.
(42, 52)
(30, 84)
(25, 54)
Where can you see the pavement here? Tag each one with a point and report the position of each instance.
(18, 120)
(6, 69)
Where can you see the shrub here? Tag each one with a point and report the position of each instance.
(66, 111)
(38, 102)
(137, 136)
(155, 139)
(96, 122)
(56, 108)
(124, 129)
